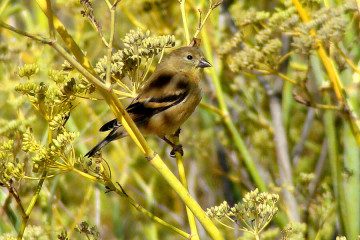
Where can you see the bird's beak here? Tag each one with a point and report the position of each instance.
(203, 63)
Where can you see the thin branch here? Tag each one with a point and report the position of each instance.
(23, 33)
(16, 196)
(201, 24)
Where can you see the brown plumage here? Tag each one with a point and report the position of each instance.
(168, 98)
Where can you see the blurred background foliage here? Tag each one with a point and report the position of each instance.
(279, 113)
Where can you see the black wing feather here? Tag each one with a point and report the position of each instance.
(144, 108)
(147, 107)
(109, 125)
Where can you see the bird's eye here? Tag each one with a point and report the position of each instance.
(189, 57)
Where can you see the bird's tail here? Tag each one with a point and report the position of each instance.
(97, 148)
(113, 135)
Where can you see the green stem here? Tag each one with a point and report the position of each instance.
(351, 191)
(336, 168)
(34, 37)
(336, 82)
(239, 142)
(352, 165)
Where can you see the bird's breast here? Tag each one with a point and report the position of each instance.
(168, 121)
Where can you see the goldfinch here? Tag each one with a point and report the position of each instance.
(167, 99)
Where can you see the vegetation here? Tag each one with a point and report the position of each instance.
(272, 152)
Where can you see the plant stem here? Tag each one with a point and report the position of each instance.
(109, 46)
(335, 79)
(239, 142)
(209, 226)
(352, 166)
(183, 15)
(182, 176)
(336, 168)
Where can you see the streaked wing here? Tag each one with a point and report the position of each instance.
(164, 92)
(110, 125)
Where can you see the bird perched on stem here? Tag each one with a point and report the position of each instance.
(166, 101)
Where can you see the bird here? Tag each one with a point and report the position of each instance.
(166, 101)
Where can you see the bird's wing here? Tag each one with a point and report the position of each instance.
(110, 125)
(162, 91)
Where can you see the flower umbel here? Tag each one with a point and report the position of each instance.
(252, 215)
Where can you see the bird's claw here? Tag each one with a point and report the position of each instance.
(176, 148)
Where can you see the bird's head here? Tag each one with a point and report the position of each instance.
(187, 59)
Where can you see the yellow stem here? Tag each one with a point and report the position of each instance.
(335, 80)
(286, 56)
(209, 226)
(66, 37)
(286, 78)
(183, 15)
(88, 176)
(182, 176)
(213, 109)
(348, 60)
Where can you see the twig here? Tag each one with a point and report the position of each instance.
(16, 196)
(201, 24)
(31, 36)
(307, 103)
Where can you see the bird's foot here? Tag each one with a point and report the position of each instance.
(176, 148)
